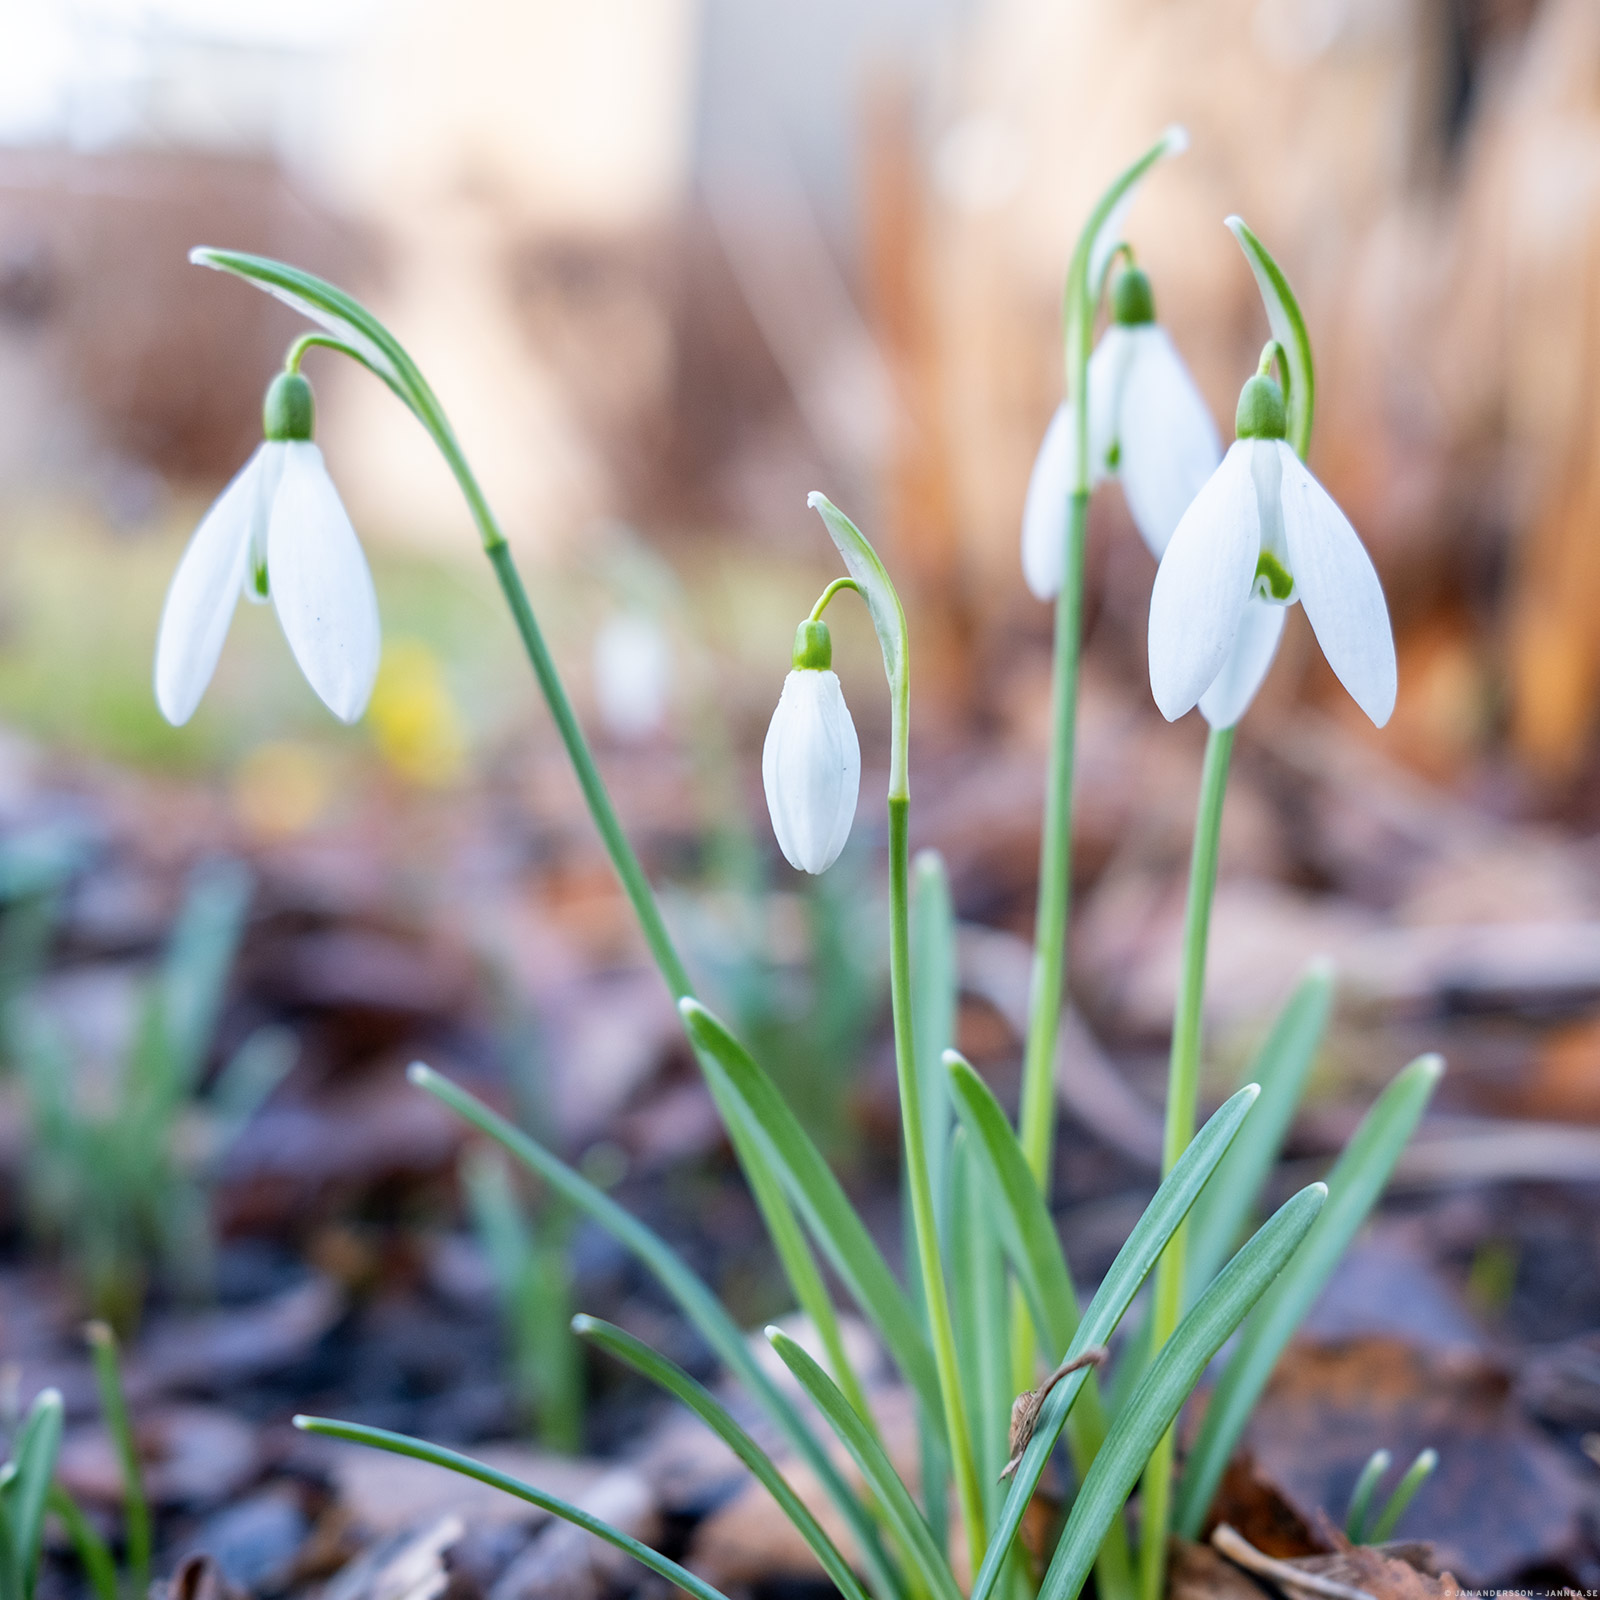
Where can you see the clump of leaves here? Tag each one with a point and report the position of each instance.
(29, 1490)
(119, 1170)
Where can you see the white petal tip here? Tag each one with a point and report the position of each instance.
(817, 500)
(203, 255)
(1233, 222)
(1176, 139)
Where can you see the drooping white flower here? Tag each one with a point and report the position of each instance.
(1148, 427)
(1262, 534)
(278, 532)
(632, 674)
(811, 761)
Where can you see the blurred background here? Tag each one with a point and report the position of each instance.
(671, 264)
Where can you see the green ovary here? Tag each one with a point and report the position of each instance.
(1274, 581)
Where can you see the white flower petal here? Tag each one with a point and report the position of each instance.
(1044, 512)
(1109, 364)
(1232, 690)
(1169, 444)
(811, 770)
(1202, 584)
(1340, 590)
(204, 592)
(321, 585)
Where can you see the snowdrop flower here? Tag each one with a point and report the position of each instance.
(1262, 534)
(811, 762)
(277, 532)
(632, 673)
(1148, 427)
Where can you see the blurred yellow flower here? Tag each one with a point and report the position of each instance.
(414, 717)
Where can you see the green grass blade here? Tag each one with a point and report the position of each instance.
(1360, 1508)
(1137, 1256)
(114, 1411)
(1289, 329)
(823, 1203)
(1222, 1213)
(679, 1384)
(1354, 1185)
(899, 1509)
(420, 1450)
(1416, 1475)
(1172, 1377)
(697, 1302)
(34, 1457)
(93, 1552)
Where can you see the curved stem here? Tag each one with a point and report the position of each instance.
(828, 594)
(313, 341)
(1183, 1089)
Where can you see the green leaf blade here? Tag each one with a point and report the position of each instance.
(1131, 1267)
(1281, 1067)
(694, 1298)
(822, 1201)
(1172, 1376)
(420, 1450)
(671, 1377)
(901, 1511)
(1354, 1185)
(34, 1458)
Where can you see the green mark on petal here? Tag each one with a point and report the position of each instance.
(1274, 581)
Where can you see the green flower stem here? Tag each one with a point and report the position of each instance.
(1037, 1122)
(923, 1217)
(1183, 1092)
(634, 882)
(828, 594)
(315, 341)
(792, 1249)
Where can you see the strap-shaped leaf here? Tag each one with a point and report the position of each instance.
(93, 1552)
(671, 1377)
(1137, 1256)
(1030, 1241)
(401, 1444)
(1289, 329)
(1354, 1185)
(1169, 1382)
(978, 1306)
(888, 621)
(697, 1302)
(1028, 1234)
(1280, 1066)
(34, 1460)
(899, 1509)
(823, 1203)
